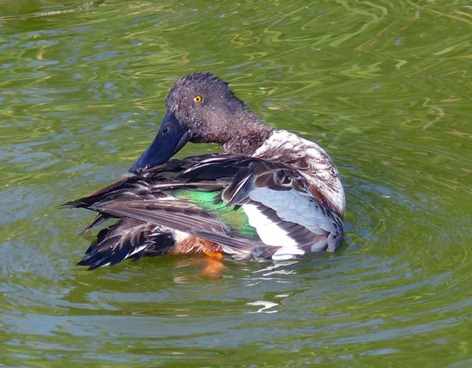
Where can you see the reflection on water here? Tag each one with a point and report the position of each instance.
(384, 87)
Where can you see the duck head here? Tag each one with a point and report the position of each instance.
(200, 108)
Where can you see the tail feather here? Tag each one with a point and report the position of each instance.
(128, 238)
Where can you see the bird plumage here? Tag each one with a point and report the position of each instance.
(279, 196)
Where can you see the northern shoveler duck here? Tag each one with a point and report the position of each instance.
(270, 195)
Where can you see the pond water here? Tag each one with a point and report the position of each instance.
(384, 86)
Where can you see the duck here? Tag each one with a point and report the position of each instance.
(269, 195)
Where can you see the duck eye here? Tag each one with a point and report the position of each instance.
(197, 99)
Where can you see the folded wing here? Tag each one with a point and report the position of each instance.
(250, 206)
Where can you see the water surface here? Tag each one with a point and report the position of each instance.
(385, 87)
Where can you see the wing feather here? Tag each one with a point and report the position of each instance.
(272, 193)
(183, 216)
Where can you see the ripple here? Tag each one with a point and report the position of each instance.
(383, 87)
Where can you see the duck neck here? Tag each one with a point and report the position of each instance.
(251, 135)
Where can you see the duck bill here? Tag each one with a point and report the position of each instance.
(170, 139)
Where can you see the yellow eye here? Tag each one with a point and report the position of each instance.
(197, 99)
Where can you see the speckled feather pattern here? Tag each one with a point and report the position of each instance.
(311, 161)
(272, 194)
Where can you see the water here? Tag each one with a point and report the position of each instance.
(385, 87)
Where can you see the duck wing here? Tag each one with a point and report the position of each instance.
(250, 206)
(278, 202)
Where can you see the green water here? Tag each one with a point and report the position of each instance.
(384, 86)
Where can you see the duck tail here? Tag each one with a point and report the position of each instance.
(128, 238)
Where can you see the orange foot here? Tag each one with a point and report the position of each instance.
(213, 265)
